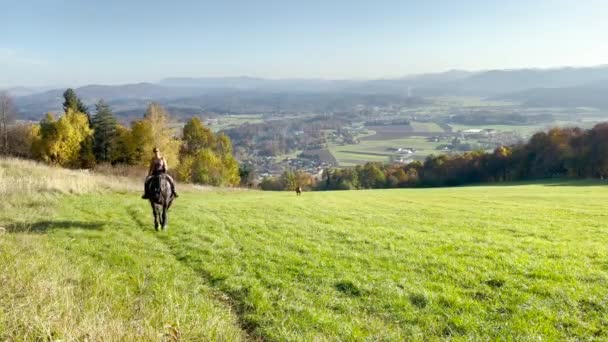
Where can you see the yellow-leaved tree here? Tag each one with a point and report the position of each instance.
(59, 141)
(141, 142)
(163, 136)
(206, 158)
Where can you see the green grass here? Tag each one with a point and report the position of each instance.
(522, 262)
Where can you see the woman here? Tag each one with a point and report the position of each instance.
(158, 166)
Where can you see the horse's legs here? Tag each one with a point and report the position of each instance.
(155, 214)
(164, 218)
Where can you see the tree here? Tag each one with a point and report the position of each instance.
(86, 157)
(141, 142)
(500, 163)
(206, 158)
(598, 151)
(289, 180)
(20, 140)
(196, 137)
(124, 151)
(162, 135)
(73, 102)
(372, 176)
(207, 168)
(272, 184)
(247, 174)
(105, 132)
(185, 169)
(223, 145)
(60, 141)
(7, 117)
(230, 172)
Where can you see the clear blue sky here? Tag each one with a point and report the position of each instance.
(75, 42)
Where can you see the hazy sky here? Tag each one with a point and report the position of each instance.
(74, 42)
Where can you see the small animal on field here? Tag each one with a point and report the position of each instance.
(298, 190)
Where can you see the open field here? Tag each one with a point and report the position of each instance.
(375, 146)
(389, 132)
(521, 262)
(528, 130)
(377, 150)
(430, 127)
(230, 121)
(469, 101)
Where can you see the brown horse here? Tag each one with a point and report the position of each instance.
(298, 190)
(161, 197)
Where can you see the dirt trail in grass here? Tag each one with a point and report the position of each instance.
(233, 305)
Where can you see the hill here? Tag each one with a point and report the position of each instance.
(191, 96)
(517, 262)
(588, 95)
(495, 82)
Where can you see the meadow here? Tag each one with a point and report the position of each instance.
(79, 260)
(375, 146)
(377, 150)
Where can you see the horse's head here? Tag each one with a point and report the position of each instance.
(160, 190)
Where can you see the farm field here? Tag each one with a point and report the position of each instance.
(518, 262)
(377, 150)
(430, 127)
(230, 121)
(375, 146)
(529, 130)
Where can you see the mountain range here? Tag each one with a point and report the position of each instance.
(561, 87)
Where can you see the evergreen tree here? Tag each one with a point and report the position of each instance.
(105, 132)
(86, 157)
(73, 102)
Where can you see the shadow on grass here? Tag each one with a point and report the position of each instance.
(44, 226)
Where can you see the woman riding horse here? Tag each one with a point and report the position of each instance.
(158, 166)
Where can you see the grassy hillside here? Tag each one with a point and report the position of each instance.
(509, 262)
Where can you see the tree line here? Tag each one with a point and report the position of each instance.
(573, 153)
(78, 138)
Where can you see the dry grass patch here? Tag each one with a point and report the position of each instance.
(24, 178)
